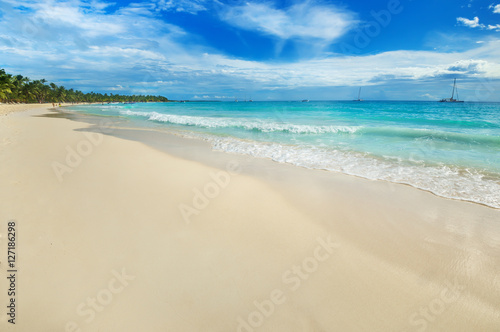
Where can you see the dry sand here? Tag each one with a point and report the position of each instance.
(114, 235)
(12, 108)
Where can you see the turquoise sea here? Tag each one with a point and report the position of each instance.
(449, 149)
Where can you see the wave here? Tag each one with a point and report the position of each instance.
(445, 181)
(270, 126)
(417, 133)
(262, 126)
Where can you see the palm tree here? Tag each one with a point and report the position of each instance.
(5, 85)
(19, 83)
(22, 89)
(61, 94)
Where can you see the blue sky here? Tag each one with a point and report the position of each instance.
(265, 50)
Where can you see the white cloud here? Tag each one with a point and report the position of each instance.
(356, 70)
(189, 6)
(134, 9)
(474, 23)
(496, 8)
(495, 27)
(429, 96)
(303, 20)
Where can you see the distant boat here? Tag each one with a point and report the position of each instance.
(452, 100)
(305, 100)
(359, 95)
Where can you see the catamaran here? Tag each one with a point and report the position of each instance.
(359, 95)
(452, 100)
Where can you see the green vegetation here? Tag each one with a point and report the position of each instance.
(19, 89)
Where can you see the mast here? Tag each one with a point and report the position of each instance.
(454, 84)
(359, 93)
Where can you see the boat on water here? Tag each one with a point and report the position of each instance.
(452, 100)
(359, 95)
(305, 100)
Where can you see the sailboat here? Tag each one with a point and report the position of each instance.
(359, 94)
(452, 100)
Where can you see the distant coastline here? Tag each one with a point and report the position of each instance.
(19, 89)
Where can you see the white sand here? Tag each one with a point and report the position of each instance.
(12, 108)
(107, 248)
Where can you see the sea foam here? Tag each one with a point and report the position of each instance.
(442, 180)
(260, 125)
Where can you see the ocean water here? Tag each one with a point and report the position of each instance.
(449, 149)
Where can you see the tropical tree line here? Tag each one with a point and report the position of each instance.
(20, 89)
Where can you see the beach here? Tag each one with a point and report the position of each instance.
(124, 229)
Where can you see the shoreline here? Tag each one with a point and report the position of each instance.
(155, 136)
(371, 254)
